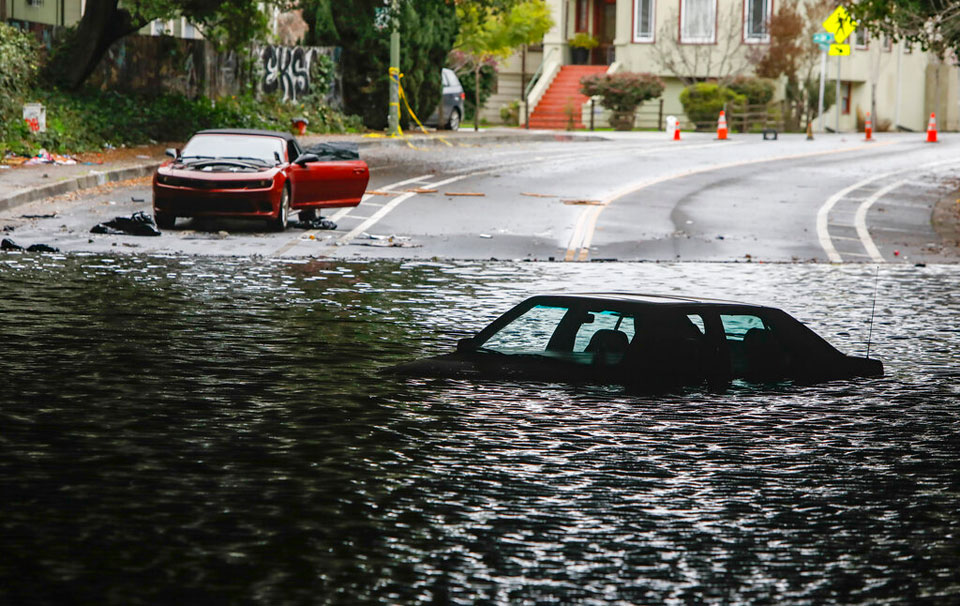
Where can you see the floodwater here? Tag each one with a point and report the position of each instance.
(180, 430)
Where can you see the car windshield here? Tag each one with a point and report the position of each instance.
(249, 148)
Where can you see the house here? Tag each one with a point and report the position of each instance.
(712, 39)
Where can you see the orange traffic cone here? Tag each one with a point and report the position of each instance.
(722, 126)
(932, 129)
(676, 131)
(868, 128)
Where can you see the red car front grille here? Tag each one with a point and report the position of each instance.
(208, 184)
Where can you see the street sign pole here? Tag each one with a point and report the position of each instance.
(823, 79)
(393, 118)
(836, 101)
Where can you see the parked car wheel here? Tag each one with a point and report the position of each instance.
(283, 213)
(164, 221)
(454, 122)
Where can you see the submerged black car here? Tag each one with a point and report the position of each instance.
(644, 340)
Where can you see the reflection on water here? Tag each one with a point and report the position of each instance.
(180, 430)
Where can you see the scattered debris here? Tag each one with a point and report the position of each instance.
(143, 157)
(486, 236)
(391, 241)
(50, 216)
(463, 193)
(8, 244)
(374, 192)
(720, 238)
(136, 199)
(318, 223)
(45, 157)
(130, 244)
(422, 190)
(583, 202)
(42, 248)
(8, 228)
(523, 193)
(137, 224)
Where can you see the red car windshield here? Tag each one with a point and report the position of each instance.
(268, 150)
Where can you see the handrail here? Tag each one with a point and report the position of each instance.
(536, 74)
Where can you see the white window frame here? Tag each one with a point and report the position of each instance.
(753, 38)
(861, 39)
(639, 36)
(711, 39)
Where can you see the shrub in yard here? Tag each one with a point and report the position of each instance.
(18, 67)
(758, 91)
(622, 92)
(703, 101)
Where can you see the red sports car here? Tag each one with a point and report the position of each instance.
(256, 173)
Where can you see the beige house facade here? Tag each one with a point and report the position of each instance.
(684, 40)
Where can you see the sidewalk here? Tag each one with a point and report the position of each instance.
(23, 184)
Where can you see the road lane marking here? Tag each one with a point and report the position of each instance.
(340, 214)
(579, 247)
(823, 233)
(860, 220)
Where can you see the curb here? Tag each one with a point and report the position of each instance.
(31, 194)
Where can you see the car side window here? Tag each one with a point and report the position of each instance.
(735, 327)
(606, 321)
(530, 332)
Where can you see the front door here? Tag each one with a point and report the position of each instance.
(329, 184)
(604, 30)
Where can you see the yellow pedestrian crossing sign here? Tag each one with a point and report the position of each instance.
(839, 50)
(840, 24)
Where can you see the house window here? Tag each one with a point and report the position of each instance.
(643, 20)
(907, 47)
(887, 43)
(847, 93)
(698, 21)
(862, 39)
(582, 20)
(756, 26)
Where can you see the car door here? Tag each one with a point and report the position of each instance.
(329, 184)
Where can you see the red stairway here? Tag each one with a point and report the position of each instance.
(563, 92)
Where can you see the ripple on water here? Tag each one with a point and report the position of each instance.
(183, 429)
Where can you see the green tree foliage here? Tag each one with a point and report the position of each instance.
(932, 24)
(227, 23)
(427, 31)
(488, 34)
(18, 66)
(703, 101)
(758, 91)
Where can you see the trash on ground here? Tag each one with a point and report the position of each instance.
(532, 195)
(49, 216)
(8, 228)
(137, 224)
(390, 241)
(463, 193)
(143, 157)
(375, 192)
(318, 223)
(422, 190)
(136, 199)
(583, 202)
(8, 244)
(486, 236)
(45, 157)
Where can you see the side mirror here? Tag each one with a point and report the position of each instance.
(304, 158)
(466, 345)
(173, 153)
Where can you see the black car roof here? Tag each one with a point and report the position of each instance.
(645, 298)
(247, 131)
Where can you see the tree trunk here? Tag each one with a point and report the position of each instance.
(476, 96)
(103, 23)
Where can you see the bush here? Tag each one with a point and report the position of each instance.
(622, 92)
(510, 114)
(18, 68)
(703, 101)
(488, 77)
(90, 119)
(758, 91)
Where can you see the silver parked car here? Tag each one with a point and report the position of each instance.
(451, 104)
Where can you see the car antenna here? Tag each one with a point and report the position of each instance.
(873, 309)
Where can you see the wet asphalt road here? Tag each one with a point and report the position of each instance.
(635, 197)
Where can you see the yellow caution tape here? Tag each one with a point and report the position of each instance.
(395, 74)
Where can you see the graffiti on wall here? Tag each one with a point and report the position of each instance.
(287, 69)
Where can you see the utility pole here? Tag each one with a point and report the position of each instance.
(393, 117)
(836, 127)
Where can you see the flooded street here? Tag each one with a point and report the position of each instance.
(214, 430)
